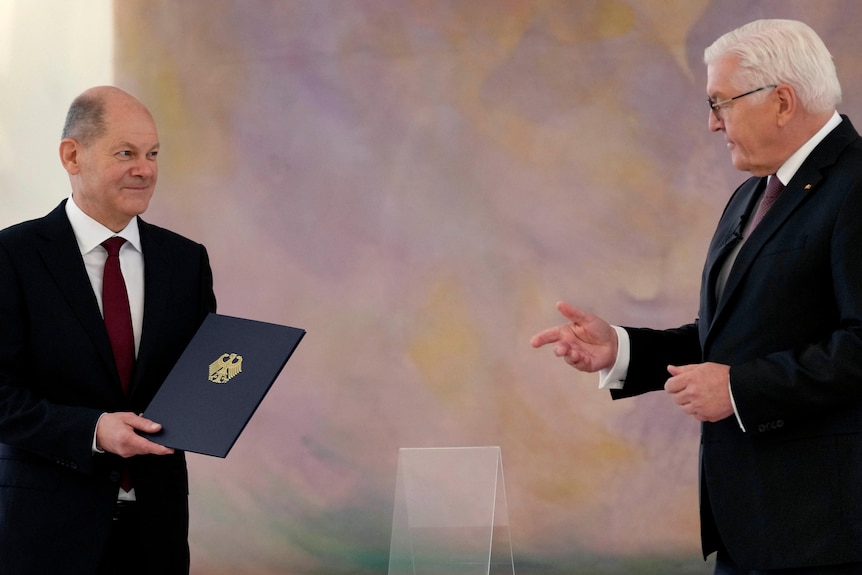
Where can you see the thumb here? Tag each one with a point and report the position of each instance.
(678, 369)
(570, 312)
(141, 423)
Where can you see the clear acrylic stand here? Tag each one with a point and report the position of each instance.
(450, 515)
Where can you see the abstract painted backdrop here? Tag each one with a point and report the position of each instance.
(416, 183)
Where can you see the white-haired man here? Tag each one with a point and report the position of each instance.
(772, 366)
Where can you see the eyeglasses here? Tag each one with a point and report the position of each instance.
(717, 107)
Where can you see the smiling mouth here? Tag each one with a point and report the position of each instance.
(138, 187)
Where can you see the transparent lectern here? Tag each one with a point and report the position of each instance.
(450, 515)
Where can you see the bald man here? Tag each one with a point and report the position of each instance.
(81, 489)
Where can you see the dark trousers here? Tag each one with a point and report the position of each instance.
(123, 554)
(724, 565)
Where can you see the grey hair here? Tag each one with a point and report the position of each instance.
(782, 52)
(85, 120)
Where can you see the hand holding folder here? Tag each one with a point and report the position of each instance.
(219, 381)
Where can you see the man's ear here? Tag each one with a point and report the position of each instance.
(787, 103)
(70, 155)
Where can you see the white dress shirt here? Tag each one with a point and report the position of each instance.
(90, 234)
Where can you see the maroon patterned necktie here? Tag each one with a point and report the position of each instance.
(118, 317)
(773, 189)
(118, 322)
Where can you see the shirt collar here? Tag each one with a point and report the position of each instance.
(90, 234)
(789, 168)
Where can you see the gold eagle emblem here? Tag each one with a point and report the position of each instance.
(225, 368)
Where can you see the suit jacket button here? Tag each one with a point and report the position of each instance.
(114, 476)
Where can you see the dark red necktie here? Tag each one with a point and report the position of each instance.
(773, 189)
(118, 322)
(118, 317)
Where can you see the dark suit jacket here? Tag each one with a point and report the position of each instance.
(57, 375)
(787, 492)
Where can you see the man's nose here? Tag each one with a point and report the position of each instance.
(714, 123)
(144, 168)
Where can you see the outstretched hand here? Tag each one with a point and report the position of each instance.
(117, 433)
(588, 343)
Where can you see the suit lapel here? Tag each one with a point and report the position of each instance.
(794, 194)
(61, 256)
(157, 281)
(727, 235)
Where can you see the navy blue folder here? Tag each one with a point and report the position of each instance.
(219, 381)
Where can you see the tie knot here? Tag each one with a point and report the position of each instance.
(773, 187)
(113, 245)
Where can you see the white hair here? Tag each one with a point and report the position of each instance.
(782, 52)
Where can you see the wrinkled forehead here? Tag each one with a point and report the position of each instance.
(131, 122)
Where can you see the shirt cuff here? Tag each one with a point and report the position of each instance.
(96, 447)
(615, 377)
(733, 404)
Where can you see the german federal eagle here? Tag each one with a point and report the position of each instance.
(225, 368)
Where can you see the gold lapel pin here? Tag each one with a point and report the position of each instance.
(807, 186)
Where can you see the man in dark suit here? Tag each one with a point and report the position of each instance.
(772, 367)
(82, 490)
